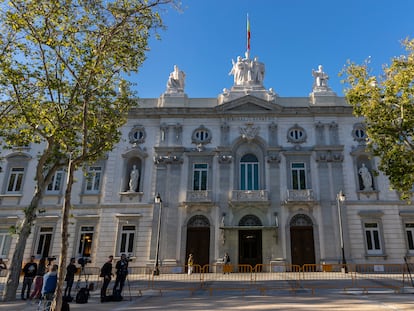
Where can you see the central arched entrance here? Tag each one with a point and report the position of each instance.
(302, 243)
(250, 241)
(198, 239)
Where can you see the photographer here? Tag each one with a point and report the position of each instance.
(121, 274)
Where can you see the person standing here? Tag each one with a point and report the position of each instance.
(30, 271)
(106, 273)
(38, 281)
(71, 269)
(49, 284)
(190, 264)
(121, 274)
(226, 261)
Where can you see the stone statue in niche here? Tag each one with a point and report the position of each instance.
(133, 179)
(366, 178)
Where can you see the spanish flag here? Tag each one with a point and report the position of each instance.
(248, 34)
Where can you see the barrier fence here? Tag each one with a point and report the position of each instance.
(262, 277)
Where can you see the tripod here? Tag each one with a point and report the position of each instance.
(409, 272)
(85, 276)
(129, 288)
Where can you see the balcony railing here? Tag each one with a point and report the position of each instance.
(199, 196)
(250, 196)
(305, 195)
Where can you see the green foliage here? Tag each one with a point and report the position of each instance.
(387, 104)
(62, 64)
(61, 67)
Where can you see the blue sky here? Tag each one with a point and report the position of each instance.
(291, 37)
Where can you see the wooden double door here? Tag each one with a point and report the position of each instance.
(198, 244)
(302, 245)
(250, 247)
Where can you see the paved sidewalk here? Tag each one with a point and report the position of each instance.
(223, 301)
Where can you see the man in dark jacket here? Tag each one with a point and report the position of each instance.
(29, 270)
(106, 273)
(121, 273)
(70, 276)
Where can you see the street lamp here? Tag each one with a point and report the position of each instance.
(156, 270)
(340, 198)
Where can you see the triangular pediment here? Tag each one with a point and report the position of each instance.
(249, 103)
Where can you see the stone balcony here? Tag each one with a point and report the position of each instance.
(199, 196)
(305, 195)
(249, 196)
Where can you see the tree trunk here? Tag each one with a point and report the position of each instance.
(57, 302)
(12, 282)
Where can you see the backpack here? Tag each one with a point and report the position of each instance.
(82, 296)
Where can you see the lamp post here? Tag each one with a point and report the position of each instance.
(340, 198)
(156, 270)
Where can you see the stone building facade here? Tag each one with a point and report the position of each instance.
(249, 173)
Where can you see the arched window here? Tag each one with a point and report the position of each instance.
(250, 220)
(198, 221)
(249, 172)
(301, 220)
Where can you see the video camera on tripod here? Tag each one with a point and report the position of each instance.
(83, 261)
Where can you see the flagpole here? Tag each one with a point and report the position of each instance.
(248, 37)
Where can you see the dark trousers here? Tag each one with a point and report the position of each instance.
(68, 289)
(106, 281)
(120, 280)
(27, 284)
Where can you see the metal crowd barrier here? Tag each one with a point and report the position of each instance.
(391, 276)
(262, 278)
(268, 277)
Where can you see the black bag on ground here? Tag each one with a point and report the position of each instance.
(83, 295)
(117, 295)
(65, 306)
(67, 298)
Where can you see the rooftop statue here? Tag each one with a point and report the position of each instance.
(247, 72)
(321, 79)
(175, 83)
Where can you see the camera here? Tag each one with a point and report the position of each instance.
(83, 261)
(50, 259)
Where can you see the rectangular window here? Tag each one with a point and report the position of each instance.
(200, 177)
(373, 239)
(15, 179)
(5, 241)
(93, 179)
(298, 176)
(44, 242)
(55, 185)
(126, 241)
(409, 228)
(85, 241)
